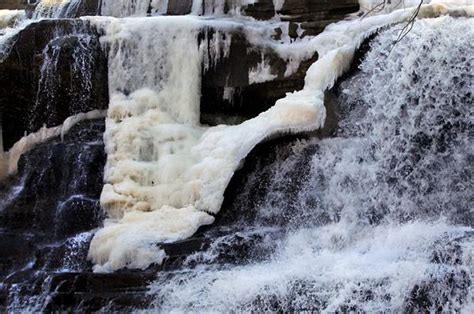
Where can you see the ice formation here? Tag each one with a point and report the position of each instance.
(261, 73)
(278, 4)
(163, 167)
(122, 8)
(126, 8)
(378, 6)
(9, 160)
(218, 7)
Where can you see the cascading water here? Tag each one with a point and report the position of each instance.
(56, 9)
(166, 174)
(381, 218)
(10, 21)
(376, 218)
(79, 48)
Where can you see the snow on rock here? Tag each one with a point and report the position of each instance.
(378, 6)
(9, 160)
(166, 173)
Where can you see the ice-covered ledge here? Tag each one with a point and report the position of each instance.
(9, 159)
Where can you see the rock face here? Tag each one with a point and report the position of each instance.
(15, 5)
(50, 65)
(228, 96)
(313, 14)
(55, 69)
(47, 211)
(47, 215)
(54, 197)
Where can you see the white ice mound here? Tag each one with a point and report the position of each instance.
(165, 172)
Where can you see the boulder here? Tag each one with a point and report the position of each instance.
(55, 69)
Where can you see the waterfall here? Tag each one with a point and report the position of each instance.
(11, 22)
(165, 173)
(56, 9)
(9, 160)
(382, 211)
(346, 187)
(123, 8)
(8, 18)
(79, 48)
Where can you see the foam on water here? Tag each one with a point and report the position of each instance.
(382, 220)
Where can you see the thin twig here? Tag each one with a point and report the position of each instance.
(409, 26)
(374, 9)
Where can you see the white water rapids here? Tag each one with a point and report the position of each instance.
(383, 220)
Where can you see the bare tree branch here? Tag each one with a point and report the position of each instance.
(407, 27)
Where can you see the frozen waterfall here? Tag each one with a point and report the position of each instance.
(166, 174)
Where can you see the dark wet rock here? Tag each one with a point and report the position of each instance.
(46, 226)
(55, 69)
(247, 191)
(15, 5)
(447, 294)
(89, 7)
(179, 7)
(93, 292)
(227, 94)
(54, 197)
(316, 13)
